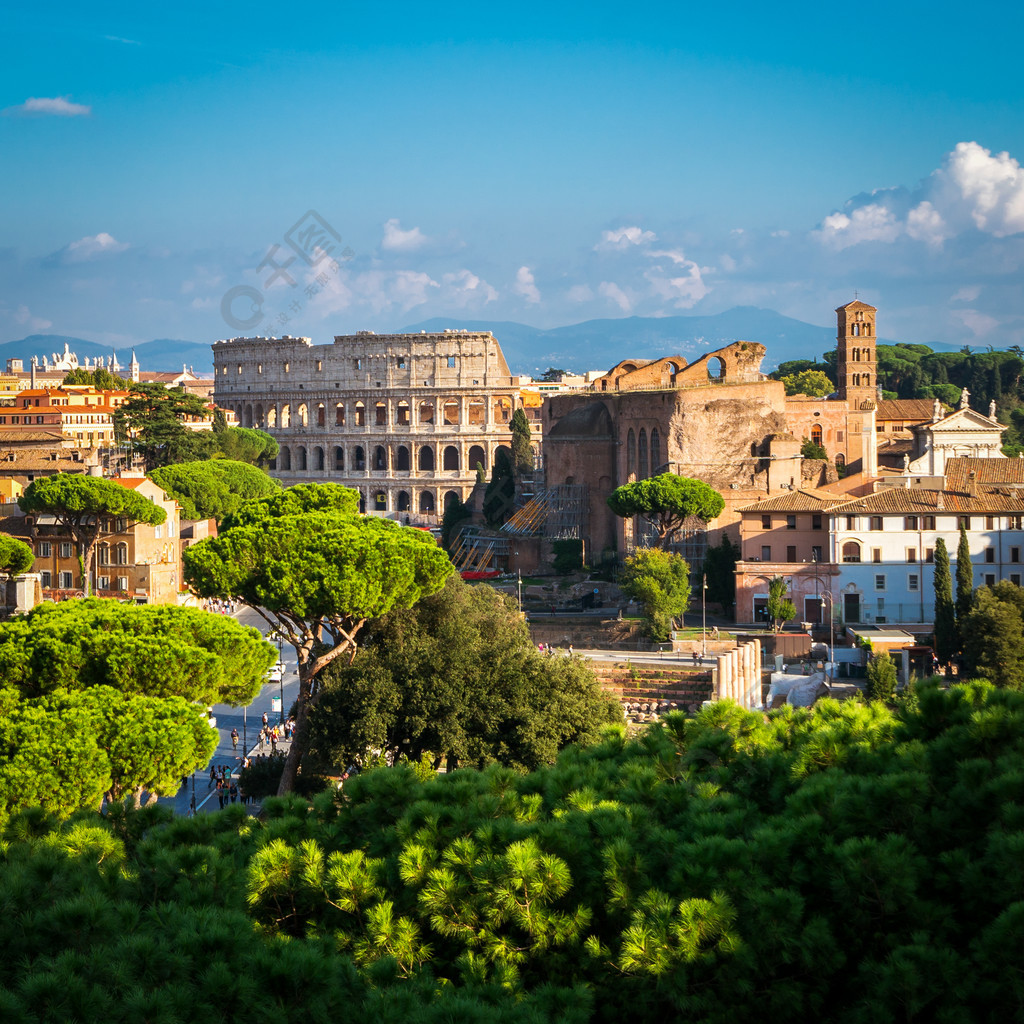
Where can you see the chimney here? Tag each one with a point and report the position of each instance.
(972, 484)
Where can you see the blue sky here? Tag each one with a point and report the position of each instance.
(547, 164)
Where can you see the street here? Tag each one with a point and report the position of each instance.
(246, 720)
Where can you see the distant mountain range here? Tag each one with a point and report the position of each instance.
(592, 345)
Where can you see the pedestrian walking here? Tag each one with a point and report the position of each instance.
(265, 719)
(213, 776)
(696, 653)
(220, 793)
(233, 791)
(234, 739)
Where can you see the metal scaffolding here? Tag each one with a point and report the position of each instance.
(558, 513)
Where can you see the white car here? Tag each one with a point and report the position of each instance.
(275, 673)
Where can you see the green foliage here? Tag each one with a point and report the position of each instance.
(720, 572)
(316, 576)
(661, 582)
(614, 885)
(522, 449)
(100, 378)
(499, 498)
(152, 421)
(947, 636)
(80, 504)
(568, 556)
(244, 444)
(457, 677)
(456, 512)
(15, 556)
(993, 635)
(212, 489)
(808, 382)
(667, 501)
(810, 450)
(964, 578)
(881, 677)
(780, 608)
(100, 698)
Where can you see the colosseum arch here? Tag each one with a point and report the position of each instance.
(427, 502)
(257, 416)
(286, 416)
(339, 458)
(359, 458)
(402, 461)
(450, 412)
(321, 415)
(284, 457)
(380, 501)
(477, 458)
(403, 414)
(272, 417)
(426, 411)
(301, 463)
(426, 459)
(450, 498)
(339, 414)
(380, 414)
(360, 413)
(380, 458)
(318, 459)
(501, 409)
(451, 458)
(303, 415)
(247, 416)
(476, 412)
(404, 503)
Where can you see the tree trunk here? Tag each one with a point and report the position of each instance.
(294, 756)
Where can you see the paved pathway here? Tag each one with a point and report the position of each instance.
(247, 721)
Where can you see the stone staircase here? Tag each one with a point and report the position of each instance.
(638, 682)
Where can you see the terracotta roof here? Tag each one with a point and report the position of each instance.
(920, 409)
(988, 472)
(806, 499)
(856, 304)
(916, 501)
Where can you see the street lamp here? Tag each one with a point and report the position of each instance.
(831, 646)
(704, 617)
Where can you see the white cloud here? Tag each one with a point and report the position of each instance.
(683, 290)
(978, 323)
(397, 240)
(49, 106)
(871, 223)
(925, 224)
(992, 186)
(23, 315)
(623, 238)
(966, 294)
(85, 250)
(614, 293)
(464, 288)
(579, 293)
(525, 285)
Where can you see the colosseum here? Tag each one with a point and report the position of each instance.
(405, 419)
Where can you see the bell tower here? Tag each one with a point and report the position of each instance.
(855, 353)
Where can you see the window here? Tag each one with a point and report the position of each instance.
(928, 523)
(929, 554)
(359, 364)
(839, 435)
(65, 581)
(816, 522)
(816, 554)
(990, 580)
(880, 581)
(851, 551)
(876, 523)
(990, 554)
(319, 365)
(913, 582)
(451, 362)
(850, 523)
(990, 522)
(65, 550)
(910, 523)
(122, 582)
(103, 583)
(876, 554)
(766, 553)
(791, 553)
(964, 521)
(158, 532)
(45, 578)
(790, 522)
(1017, 522)
(1014, 554)
(1015, 578)
(43, 550)
(766, 522)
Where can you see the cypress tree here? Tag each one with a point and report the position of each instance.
(964, 577)
(947, 642)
